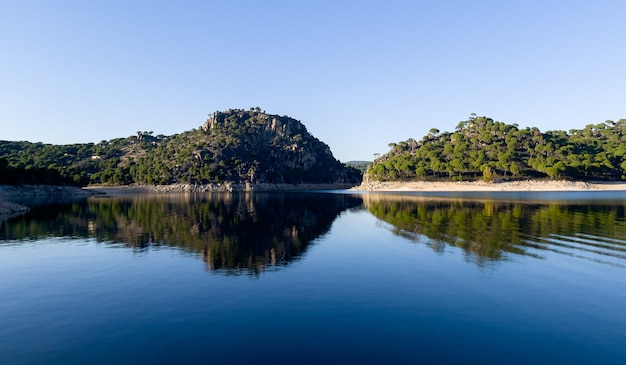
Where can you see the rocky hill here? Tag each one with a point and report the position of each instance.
(237, 146)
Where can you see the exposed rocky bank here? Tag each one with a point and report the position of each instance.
(524, 185)
(9, 192)
(219, 188)
(41, 190)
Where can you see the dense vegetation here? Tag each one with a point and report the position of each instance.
(10, 175)
(359, 165)
(236, 146)
(481, 148)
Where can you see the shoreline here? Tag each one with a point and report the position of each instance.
(27, 191)
(42, 190)
(9, 208)
(476, 186)
(211, 188)
(8, 193)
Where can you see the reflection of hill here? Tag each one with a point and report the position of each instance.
(487, 228)
(232, 232)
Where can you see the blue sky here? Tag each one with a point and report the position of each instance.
(358, 74)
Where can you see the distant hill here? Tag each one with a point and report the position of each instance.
(359, 165)
(481, 148)
(232, 146)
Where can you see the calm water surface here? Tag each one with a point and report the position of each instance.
(314, 278)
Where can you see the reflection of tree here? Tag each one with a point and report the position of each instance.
(232, 232)
(487, 228)
(247, 233)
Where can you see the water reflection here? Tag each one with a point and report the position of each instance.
(250, 233)
(491, 228)
(234, 233)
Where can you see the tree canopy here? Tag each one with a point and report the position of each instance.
(481, 148)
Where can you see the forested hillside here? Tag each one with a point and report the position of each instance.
(233, 146)
(10, 175)
(359, 165)
(481, 148)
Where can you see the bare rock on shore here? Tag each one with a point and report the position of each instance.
(525, 185)
(10, 192)
(42, 190)
(219, 188)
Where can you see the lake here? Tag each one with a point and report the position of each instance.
(317, 277)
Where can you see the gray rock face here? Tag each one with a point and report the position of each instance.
(271, 149)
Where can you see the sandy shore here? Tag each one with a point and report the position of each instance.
(527, 185)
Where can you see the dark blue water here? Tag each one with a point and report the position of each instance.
(315, 278)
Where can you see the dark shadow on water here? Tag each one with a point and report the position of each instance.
(234, 233)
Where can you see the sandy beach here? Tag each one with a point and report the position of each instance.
(526, 185)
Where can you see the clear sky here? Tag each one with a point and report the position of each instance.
(359, 74)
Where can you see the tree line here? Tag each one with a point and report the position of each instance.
(481, 148)
(10, 175)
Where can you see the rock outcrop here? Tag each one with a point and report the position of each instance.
(252, 147)
(236, 146)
